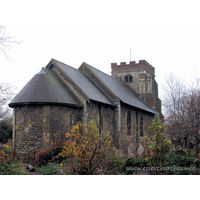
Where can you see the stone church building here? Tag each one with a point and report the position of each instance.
(59, 96)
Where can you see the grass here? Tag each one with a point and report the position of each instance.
(12, 169)
(49, 169)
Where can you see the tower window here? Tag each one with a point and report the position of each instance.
(128, 79)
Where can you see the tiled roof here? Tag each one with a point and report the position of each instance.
(45, 88)
(84, 83)
(122, 91)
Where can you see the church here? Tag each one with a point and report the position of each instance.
(59, 96)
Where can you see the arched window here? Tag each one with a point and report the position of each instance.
(141, 125)
(128, 79)
(26, 120)
(129, 123)
(137, 139)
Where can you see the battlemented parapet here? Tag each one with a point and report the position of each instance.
(143, 64)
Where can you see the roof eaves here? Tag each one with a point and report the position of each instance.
(42, 103)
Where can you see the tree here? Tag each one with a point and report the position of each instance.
(157, 146)
(88, 150)
(6, 91)
(6, 94)
(182, 110)
(5, 130)
(5, 41)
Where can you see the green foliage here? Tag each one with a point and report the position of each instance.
(132, 165)
(7, 167)
(5, 130)
(180, 165)
(157, 146)
(11, 169)
(116, 165)
(6, 154)
(49, 169)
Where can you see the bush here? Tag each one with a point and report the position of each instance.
(116, 165)
(45, 155)
(157, 146)
(5, 130)
(6, 154)
(180, 165)
(88, 150)
(11, 169)
(133, 165)
(49, 169)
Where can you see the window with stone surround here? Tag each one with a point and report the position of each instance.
(129, 123)
(128, 79)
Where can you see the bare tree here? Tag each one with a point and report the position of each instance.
(182, 110)
(6, 94)
(6, 91)
(174, 89)
(6, 42)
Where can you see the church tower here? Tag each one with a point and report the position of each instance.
(141, 78)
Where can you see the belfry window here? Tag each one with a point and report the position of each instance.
(128, 79)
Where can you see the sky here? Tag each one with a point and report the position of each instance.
(164, 33)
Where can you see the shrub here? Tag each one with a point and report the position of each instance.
(133, 165)
(5, 130)
(180, 165)
(49, 169)
(11, 169)
(157, 146)
(6, 154)
(88, 150)
(45, 155)
(116, 165)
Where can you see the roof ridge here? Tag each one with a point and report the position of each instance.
(96, 69)
(72, 81)
(63, 63)
(89, 66)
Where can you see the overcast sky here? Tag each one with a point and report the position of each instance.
(164, 33)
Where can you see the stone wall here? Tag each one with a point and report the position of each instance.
(36, 126)
(29, 137)
(103, 115)
(128, 144)
(62, 120)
